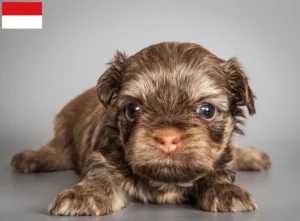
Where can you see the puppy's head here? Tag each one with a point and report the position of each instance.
(178, 106)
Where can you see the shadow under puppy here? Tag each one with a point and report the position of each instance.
(161, 134)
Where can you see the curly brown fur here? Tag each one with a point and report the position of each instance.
(118, 157)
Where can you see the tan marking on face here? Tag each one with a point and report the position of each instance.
(220, 101)
(201, 85)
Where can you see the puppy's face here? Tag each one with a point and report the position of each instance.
(177, 107)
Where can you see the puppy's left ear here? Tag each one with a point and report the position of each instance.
(110, 82)
(242, 94)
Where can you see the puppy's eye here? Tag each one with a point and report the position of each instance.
(132, 111)
(206, 110)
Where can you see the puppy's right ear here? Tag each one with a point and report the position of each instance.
(109, 83)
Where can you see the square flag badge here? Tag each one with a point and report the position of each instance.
(21, 15)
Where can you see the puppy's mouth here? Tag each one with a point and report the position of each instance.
(169, 173)
(171, 168)
(177, 166)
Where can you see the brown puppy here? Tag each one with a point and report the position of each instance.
(161, 134)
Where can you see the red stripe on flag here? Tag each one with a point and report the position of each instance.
(21, 8)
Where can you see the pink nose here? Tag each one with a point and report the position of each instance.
(168, 140)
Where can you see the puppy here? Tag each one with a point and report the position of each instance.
(161, 133)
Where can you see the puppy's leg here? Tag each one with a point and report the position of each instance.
(96, 195)
(50, 157)
(250, 158)
(55, 155)
(217, 193)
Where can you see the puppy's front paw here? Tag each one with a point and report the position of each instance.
(250, 158)
(80, 201)
(226, 198)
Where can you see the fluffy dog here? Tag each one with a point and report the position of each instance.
(161, 133)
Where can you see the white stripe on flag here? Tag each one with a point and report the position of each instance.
(21, 22)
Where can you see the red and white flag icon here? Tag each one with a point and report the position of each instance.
(22, 15)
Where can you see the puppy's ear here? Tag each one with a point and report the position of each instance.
(242, 94)
(109, 83)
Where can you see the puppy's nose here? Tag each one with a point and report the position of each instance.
(168, 140)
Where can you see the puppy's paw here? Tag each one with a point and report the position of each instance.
(80, 201)
(226, 198)
(25, 162)
(250, 158)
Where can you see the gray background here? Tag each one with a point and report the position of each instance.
(40, 70)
